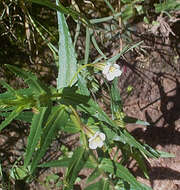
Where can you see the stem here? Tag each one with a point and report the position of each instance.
(78, 122)
(120, 26)
(78, 71)
(94, 160)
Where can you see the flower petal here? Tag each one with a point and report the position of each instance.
(116, 66)
(100, 144)
(92, 145)
(91, 139)
(102, 136)
(106, 69)
(110, 76)
(117, 73)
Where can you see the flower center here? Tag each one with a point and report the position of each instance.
(97, 140)
(111, 69)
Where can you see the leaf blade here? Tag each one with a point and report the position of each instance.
(12, 116)
(35, 134)
(67, 58)
(58, 118)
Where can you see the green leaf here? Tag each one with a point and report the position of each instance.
(64, 162)
(140, 160)
(9, 88)
(87, 46)
(79, 159)
(18, 173)
(128, 12)
(125, 137)
(35, 133)
(120, 171)
(67, 57)
(70, 127)
(11, 116)
(62, 9)
(29, 78)
(110, 6)
(23, 116)
(95, 174)
(100, 185)
(10, 95)
(128, 119)
(97, 47)
(71, 97)
(81, 83)
(168, 5)
(91, 106)
(165, 154)
(106, 19)
(116, 103)
(56, 119)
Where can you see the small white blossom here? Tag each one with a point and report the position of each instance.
(110, 71)
(97, 140)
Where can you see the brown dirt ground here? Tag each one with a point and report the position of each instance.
(156, 99)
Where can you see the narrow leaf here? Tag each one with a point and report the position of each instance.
(79, 159)
(57, 119)
(116, 103)
(12, 116)
(128, 119)
(35, 134)
(23, 116)
(95, 174)
(109, 166)
(67, 57)
(87, 46)
(97, 47)
(125, 137)
(65, 162)
(140, 160)
(9, 88)
(62, 9)
(29, 78)
(100, 185)
(165, 154)
(57, 163)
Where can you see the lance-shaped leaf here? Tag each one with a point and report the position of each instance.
(94, 175)
(76, 15)
(35, 133)
(67, 57)
(29, 78)
(79, 159)
(23, 116)
(65, 162)
(9, 95)
(100, 185)
(116, 103)
(11, 116)
(9, 88)
(55, 121)
(133, 120)
(120, 171)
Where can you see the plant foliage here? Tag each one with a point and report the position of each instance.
(71, 108)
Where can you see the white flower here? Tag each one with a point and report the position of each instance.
(110, 71)
(97, 140)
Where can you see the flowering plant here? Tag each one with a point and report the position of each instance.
(111, 71)
(71, 107)
(97, 140)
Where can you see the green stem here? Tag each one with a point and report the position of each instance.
(79, 70)
(95, 161)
